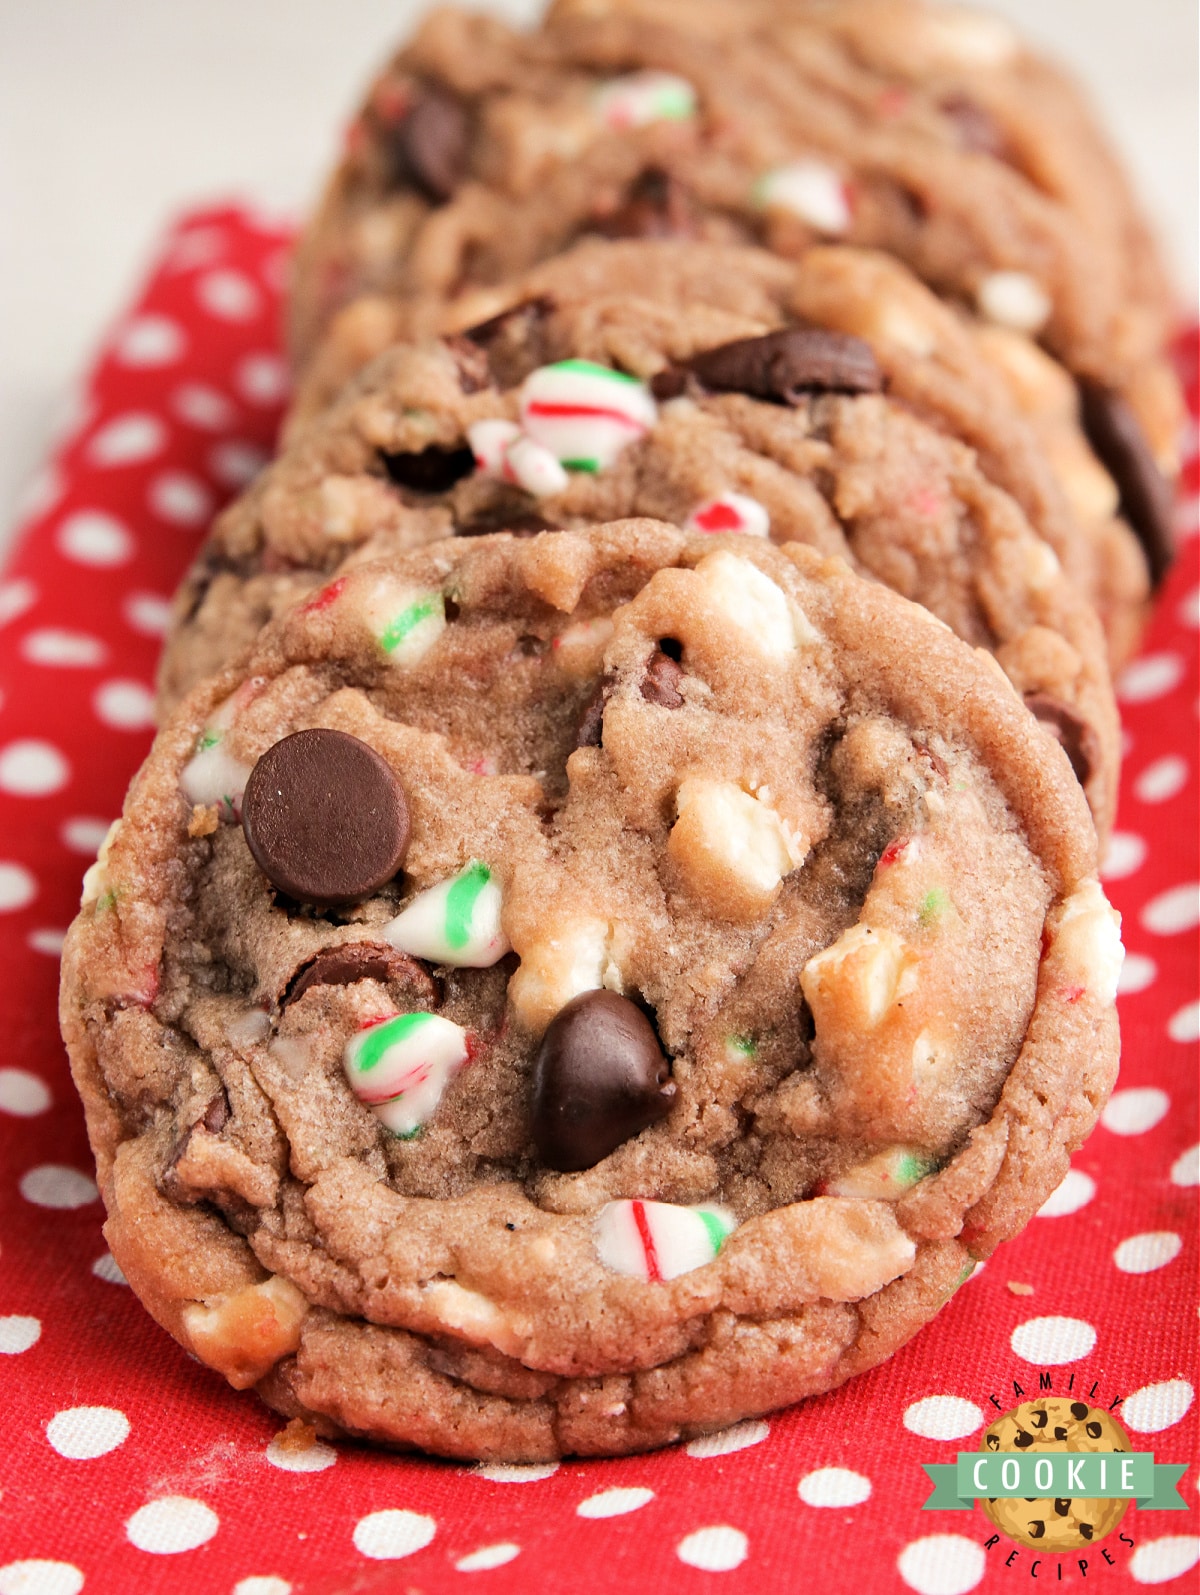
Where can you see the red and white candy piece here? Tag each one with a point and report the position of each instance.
(640, 98)
(502, 450)
(401, 1066)
(811, 190)
(212, 774)
(585, 414)
(456, 922)
(730, 512)
(653, 1241)
(883, 1177)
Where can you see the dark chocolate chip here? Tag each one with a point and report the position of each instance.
(1117, 437)
(656, 206)
(1037, 1528)
(668, 384)
(1080, 1410)
(591, 722)
(1095, 1430)
(504, 518)
(1061, 1508)
(474, 372)
(600, 1077)
(216, 1115)
(429, 147)
(1060, 1433)
(1039, 1418)
(993, 1442)
(1023, 1440)
(660, 684)
(977, 129)
(1087, 1530)
(432, 470)
(362, 960)
(782, 366)
(1076, 737)
(325, 818)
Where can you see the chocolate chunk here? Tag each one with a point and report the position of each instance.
(432, 470)
(516, 319)
(782, 366)
(1060, 1433)
(1023, 1440)
(1078, 739)
(325, 818)
(977, 129)
(1061, 1508)
(656, 206)
(1080, 1410)
(1039, 1418)
(429, 147)
(993, 1442)
(599, 1078)
(504, 518)
(213, 1119)
(362, 960)
(1095, 1430)
(591, 721)
(1087, 1530)
(668, 384)
(1117, 437)
(660, 684)
(1037, 1528)
(216, 1114)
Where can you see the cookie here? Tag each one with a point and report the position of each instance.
(753, 854)
(924, 130)
(719, 389)
(1056, 1423)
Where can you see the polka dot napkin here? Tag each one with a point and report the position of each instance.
(127, 1466)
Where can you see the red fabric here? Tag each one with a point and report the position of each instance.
(184, 400)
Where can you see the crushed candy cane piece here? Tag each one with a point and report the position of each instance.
(406, 621)
(640, 98)
(730, 512)
(212, 775)
(811, 190)
(400, 1067)
(654, 1241)
(883, 1177)
(456, 922)
(585, 414)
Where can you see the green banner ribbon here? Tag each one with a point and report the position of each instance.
(1101, 1475)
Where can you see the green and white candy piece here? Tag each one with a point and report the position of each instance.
(585, 413)
(401, 1066)
(640, 98)
(212, 774)
(455, 922)
(883, 1177)
(405, 620)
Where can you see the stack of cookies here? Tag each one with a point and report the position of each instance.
(608, 934)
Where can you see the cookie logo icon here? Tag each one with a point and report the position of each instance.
(1050, 1424)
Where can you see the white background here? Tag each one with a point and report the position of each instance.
(115, 113)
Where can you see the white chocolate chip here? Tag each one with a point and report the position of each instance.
(1087, 942)
(582, 955)
(244, 1334)
(1042, 568)
(1091, 491)
(248, 1028)
(1014, 299)
(466, 1311)
(1038, 384)
(863, 974)
(95, 879)
(761, 611)
(580, 648)
(731, 848)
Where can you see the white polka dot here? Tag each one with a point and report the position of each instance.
(1075, 1191)
(124, 705)
(198, 246)
(17, 887)
(1137, 972)
(18, 1333)
(1135, 1111)
(1125, 854)
(1184, 1025)
(1189, 609)
(943, 1417)
(1174, 911)
(314, 1458)
(1151, 677)
(614, 1503)
(149, 341)
(1161, 780)
(833, 1487)
(1187, 516)
(228, 295)
(235, 463)
(171, 1524)
(515, 1472)
(44, 490)
(52, 646)
(148, 613)
(54, 1185)
(260, 1584)
(180, 499)
(1159, 1561)
(107, 1269)
(387, 1536)
(718, 1549)
(487, 1557)
(1142, 1254)
(15, 598)
(262, 379)
(37, 1577)
(127, 440)
(203, 407)
(942, 1564)
(84, 834)
(47, 941)
(81, 1433)
(1052, 1340)
(23, 1094)
(736, 1438)
(90, 537)
(1154, 1408)
(30, 768)
(1186, 1168)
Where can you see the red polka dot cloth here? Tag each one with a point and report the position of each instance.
(129, 1467)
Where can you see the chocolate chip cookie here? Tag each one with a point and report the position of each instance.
(1056, 1423)
(559, 995)
(720, 389)
(928, 131)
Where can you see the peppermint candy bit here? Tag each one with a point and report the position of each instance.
(810, 190)
(883, 1177)
(456, 922)
(406, 621)
(654, 1241)
(730, 512)
(400, 1067)
(585, 414)
(640, 98)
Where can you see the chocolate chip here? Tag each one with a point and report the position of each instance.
(993, 1442)
(591, 722)
(325, 818)
(1080, 1410)
(977, 129)
(429, 147)
(1117, 437)
(656, 206)
(503, 518)
(1061, 1508)
(671, 383)
(432, 470)
(216, 1114)
(660, 684)
(599, 1078)
(1039, 1418)
(1095, 1430)
(782, 366)
(1023, 1440)
(1087, 1530)
(1060, 1433)
(213, 1119)
(362, 960)
(1078, 740)
(516, 319)
(1037, 1528)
